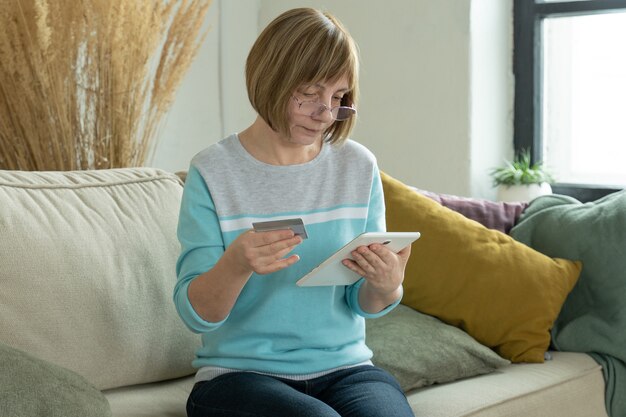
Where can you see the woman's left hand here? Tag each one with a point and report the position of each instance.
(382, 268)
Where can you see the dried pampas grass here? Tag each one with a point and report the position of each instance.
(84, 84)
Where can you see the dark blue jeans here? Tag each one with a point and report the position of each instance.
(362, 391)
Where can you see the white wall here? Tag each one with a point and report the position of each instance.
(436, 86)
(212, 100)
(194, 120)
(491, 91)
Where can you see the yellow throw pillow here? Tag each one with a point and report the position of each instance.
(501, 292)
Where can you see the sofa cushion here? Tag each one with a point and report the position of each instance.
(31, 387)
(88, 270)
(593, 318)
(157, 399)
(569, 385)
(503, 293)
(421, 350)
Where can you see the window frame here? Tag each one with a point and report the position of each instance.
(527, 69)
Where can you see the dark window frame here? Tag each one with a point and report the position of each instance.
(527, 68)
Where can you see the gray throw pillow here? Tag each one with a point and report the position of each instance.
(421, 350)
(31, 387)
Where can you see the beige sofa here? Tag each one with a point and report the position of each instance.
(87, 277)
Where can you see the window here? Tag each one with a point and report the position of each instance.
(570, 91)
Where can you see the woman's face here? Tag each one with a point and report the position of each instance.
(307, 126)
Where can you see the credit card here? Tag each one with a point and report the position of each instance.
(297, 225)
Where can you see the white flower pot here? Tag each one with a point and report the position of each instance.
(512, 193)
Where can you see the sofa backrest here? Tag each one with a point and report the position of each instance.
(87, 273)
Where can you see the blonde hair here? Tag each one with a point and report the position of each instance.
(301, 46)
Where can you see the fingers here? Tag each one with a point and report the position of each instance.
(378, 265)
(386, 256)
(269, 237)
(367, 260)
(266, 254)
(373, 257)
(352, 265)
(405, 253)
(278, 265)
(265, 251)
(270, 241)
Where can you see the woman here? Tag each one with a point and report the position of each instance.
(271, 348)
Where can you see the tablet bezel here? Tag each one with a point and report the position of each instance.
(333, 272)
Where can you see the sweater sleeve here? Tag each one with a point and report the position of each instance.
(375, 223)
(201, 246)
(353, 301)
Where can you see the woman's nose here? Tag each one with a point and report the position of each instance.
(324, 114)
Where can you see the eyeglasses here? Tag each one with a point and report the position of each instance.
(315, 108)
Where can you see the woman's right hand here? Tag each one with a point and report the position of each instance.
(263, 252)
(214, 293)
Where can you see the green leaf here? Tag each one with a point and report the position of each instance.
(520, 171)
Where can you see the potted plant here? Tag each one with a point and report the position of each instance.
(521, 180)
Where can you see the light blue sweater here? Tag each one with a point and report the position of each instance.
(276, 326)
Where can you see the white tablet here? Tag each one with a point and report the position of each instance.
(333, 272)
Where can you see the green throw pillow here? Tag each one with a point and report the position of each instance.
(31, 387)
(593, 317)
(421, 350)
